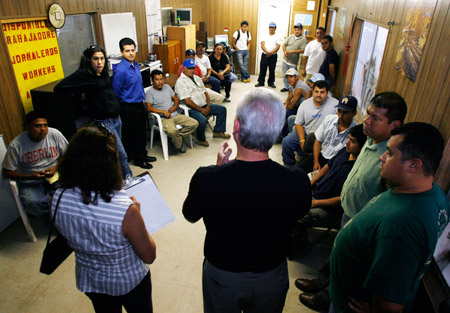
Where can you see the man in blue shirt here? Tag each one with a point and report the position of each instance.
(128, 87)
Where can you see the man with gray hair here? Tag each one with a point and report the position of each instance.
(248, 232)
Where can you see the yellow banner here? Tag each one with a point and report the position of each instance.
(34, 51)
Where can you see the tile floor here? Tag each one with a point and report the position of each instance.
(176, 272)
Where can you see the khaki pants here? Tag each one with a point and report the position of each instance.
(187, 123)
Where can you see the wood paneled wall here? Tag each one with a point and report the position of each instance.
(428, 98)
(11, 111)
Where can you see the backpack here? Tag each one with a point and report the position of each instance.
(239, 35)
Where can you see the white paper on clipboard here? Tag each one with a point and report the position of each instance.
(154, 209)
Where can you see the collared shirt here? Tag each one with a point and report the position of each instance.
(328, 134)
(315, 55)
(310, 116)
(186, 88)
(364, 181)
(127, 82)
(294, 43)
(203, 63)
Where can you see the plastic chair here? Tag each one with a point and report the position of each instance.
(164, 138)
(15, 192)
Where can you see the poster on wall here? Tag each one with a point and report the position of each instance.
(341, 23)
(34, 54)
(414, 36)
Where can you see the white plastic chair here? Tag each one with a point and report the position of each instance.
(164, 139)
(15, 192)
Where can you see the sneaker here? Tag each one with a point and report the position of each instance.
(247, 80)
(284, 90)
(203, 143)
(259, 85)
(272, 85)
(221, 135)
(183, 148)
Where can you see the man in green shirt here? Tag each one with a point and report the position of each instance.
(386, 111)
(380, 255)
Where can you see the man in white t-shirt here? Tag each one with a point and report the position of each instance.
(270, 45)
(313, 56)
(204, 64)
(32, 160)
(241, 42)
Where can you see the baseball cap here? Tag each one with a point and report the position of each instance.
(189, 52)
(347, 103)
(291, 72)
(272, 24)
(316, 77)
(298, 25)
(200, 44)
(188, 63)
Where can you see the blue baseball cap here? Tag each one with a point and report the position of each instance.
(272, 24)
(189, 52)
(188, 63)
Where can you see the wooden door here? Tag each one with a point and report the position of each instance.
(172, 59)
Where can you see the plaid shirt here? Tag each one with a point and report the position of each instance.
(186, 88)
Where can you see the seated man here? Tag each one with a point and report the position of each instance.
(202, 61)
(298, 92)
(32, 157)
(190, 89)
(214, 95)
(331, 135)
(327, 185)
(162, 100)
(309, 117)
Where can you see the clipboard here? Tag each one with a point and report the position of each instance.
(154, 209)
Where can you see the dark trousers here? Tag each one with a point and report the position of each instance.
(227, 84)
(134, 121)
(138, 300)
(267, 62)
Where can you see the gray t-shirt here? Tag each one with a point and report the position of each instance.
(300, 85)
(161, 99)
(310, 116)
(26, 156)
(293, 43)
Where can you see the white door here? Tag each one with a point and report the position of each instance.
(280, 13)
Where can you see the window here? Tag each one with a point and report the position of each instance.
(76, 35)
(372, 42)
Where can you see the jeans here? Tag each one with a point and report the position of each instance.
(233, 77)
(289, 123)
(242, 56)
(284, 69)
(215, 83)
(221, 120)
(114, 125)
(35, 196)
(290, 144)
(267, 62)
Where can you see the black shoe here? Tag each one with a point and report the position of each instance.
(143, 164)
(272, 85)
(150, 159)
(259, 85)
(315, 301)
(310, 285)
(284, 90)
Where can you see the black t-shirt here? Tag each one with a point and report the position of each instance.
(249, 209)
(331, 184)
(331, 57)
(218, 65)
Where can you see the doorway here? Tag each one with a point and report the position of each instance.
(280, 13)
